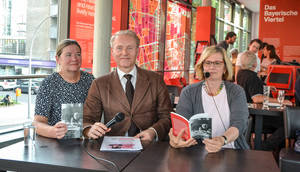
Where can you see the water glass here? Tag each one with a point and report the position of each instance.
(266, 92)
(29, 134)
(280, 98)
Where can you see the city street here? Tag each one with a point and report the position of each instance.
(21, 99)
(17, 113)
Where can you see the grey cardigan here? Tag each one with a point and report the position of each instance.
(190, 103)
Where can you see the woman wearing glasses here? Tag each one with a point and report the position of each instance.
(222, 100)
(69, 85)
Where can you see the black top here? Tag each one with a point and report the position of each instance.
(250, 82)
(223, 44)
(55, 91)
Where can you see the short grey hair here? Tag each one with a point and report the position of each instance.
(234, 51)
(248, 59)
(125, 32)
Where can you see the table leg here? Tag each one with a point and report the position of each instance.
(258, 131)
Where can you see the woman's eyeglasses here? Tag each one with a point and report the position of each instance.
(215, 63)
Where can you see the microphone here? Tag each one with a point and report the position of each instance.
(206, 74)
(118, 118)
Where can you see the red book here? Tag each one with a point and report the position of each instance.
(198, 127)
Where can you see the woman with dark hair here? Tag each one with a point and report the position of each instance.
(270, 57)
(67, 86)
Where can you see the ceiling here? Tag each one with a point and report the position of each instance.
(252, 5)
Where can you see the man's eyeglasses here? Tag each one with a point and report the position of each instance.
(215, 63)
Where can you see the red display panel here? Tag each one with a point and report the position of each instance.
(178, 30)
(144, 19)
(283, 77)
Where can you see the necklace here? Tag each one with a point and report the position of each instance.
(206, 88)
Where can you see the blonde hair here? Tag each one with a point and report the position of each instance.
(64, 43)
(248, 59)
(207, 53)
(125, 32)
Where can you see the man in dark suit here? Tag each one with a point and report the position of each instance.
(143, 96)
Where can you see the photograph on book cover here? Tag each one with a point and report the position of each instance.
(201, 128)
(72, 116)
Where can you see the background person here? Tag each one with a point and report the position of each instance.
(270, 57)
(6, 100)
(254, 46)
(69, 85)
(234, 53)
(253, 86)
(143, 96)
(248, 79)
(213, 95)
(229, 39)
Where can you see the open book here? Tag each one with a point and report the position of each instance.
(198, 127)
(121, 143)
(71, 115)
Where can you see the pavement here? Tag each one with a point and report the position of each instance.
(14, 114)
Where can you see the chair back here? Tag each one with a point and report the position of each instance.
(291, 123)
(174, 91)
(248, 130)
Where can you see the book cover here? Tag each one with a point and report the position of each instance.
(199, 126)
(72, 115)
(120, 143)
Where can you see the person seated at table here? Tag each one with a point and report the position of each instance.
(69, 85)
(224, 101)
(253, 86)
(254, 46)
(140, 94)
(248, 79)
(270, 57)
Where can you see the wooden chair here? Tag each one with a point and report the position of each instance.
(291, 124)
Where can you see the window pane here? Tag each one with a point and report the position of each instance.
(237, 15)
(227, 11)
(246, 20)
(245, 42)
(215, 4)
(25, 24)
(237, 41)
(217, 30)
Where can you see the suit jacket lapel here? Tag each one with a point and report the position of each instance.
(116, 90)
(141, 87)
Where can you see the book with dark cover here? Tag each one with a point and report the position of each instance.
(71, 115)
(199, 126)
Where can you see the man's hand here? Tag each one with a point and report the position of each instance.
(178, 141)
(146, 135)
(97, 130)
(59, 130)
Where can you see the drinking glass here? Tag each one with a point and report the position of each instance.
(29, 134)
(280, 98)
(266, 92)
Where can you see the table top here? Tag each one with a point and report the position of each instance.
(162, 157)
(257, 109)
(71, 155)
(61, 155)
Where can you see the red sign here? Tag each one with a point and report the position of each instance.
(82, 29)
(279, 25)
